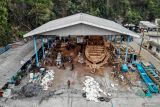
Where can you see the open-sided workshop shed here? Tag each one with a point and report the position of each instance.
(77, 25)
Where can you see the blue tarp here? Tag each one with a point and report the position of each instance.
(151, 85)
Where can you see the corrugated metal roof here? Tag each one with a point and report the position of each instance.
(81, 18)
(148, 24)
(154, 44)
(10, 60)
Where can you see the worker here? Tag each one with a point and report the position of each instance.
(70, 59)
(71, 67)
(63, 66)
(68, 83)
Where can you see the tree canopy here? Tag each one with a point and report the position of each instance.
(20, 16)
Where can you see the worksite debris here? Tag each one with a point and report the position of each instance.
(92, 89)
(47, 79)
(31, 90)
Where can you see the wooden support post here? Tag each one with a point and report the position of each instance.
(120, 46)
(141, 41)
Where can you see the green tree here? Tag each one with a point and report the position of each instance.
(19, 16)
(25, 15)
(153, 8)
(41, 12)
(133, 17)
(30, 14)
(4, 26)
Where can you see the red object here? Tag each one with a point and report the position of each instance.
(17, 82)
(1, 94)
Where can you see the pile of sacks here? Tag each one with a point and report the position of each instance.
(47, 79)
(92, 89)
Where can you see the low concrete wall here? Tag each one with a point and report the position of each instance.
(153, 53)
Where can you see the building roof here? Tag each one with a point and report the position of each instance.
(154, 44)
(81, 23)
(152, 34)
(10, 60)
(147, 24)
